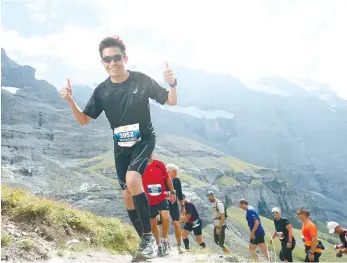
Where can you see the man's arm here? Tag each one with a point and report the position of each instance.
(256, 225)
(172, 97)
(274, 235)
(169, 184)
(314, 243)
(178, 188)
(290, 233)
(221, 221)
(81, 118)
(185, 218)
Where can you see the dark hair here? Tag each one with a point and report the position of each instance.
(243, 202)
(304, 211)
(183, 196)
(113, 41)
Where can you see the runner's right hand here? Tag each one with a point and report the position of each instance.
(270, 241)
(66, 92)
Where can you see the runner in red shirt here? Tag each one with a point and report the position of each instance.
(155, 179)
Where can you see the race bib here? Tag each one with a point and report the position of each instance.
(196, 223)
(154, 189)
(280, 235)
(127, 136)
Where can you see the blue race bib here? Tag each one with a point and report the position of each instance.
(128, 135)
(154, 189)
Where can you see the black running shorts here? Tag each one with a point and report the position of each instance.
(258, 239)
(197, 228)
(174, 211)
(155, 209)
(134, 158)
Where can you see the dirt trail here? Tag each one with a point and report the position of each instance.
(104, 257)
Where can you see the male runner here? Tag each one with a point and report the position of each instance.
(284, 232)
(337, 229)
(174, 209)
(218, 210)
(192, 223)
(154, 180)
(257, 230)
(124, 97)
(310, 233)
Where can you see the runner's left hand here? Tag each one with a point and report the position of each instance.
(252, 236)
(218, 230)
(169, 74)
(289, 245)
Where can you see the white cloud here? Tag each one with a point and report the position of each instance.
(294, 39)
(35, 5)
(39, 17)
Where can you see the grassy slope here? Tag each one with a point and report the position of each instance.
(109, 233)
(238, 216)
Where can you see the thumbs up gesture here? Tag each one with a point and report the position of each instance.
(169, 75)
(66, 92)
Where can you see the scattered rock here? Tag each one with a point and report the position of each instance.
(87, 239)
(73, 241)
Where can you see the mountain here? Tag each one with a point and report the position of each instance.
(47, 152)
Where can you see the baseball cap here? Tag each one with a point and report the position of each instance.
(209, 193)
(276, 210)
(331, 226)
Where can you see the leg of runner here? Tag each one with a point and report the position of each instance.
(129, 204)
(178, 234)
(252, 248)
(166, 227)
(185, 235)
(200, 241)
(154, 227)
(263, 249)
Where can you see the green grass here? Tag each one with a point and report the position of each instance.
(225, 181)
(191, 180)
(5, 239)
(238, 216)
(26, 244)
(104, 232)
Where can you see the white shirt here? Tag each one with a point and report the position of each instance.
(217, 210)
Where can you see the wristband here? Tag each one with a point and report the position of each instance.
(174, 85)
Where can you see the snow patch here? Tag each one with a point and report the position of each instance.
(12, 90)
(197, 113)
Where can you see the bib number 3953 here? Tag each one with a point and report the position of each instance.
(127, 136)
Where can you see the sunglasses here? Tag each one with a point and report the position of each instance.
(114, 58)
(298, 214)
(275, 212)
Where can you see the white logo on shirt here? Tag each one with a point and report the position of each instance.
(135, 90)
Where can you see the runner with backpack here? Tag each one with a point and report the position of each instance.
(219, 220)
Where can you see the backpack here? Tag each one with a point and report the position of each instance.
(225, 209)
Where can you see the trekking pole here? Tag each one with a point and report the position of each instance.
(274, 248)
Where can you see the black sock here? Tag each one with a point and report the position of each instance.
(203, 245)
(186, 243)
(142, 210)
(135, 220)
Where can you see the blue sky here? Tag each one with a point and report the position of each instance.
(297, 40)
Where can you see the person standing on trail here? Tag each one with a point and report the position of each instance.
(191, 222)
(257, 230)
(334, 227)
(124, 97)
(174, 209)
(309, 231)
(284, 232)
(219, 220)
(154, 180)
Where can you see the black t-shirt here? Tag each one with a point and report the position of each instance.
(127, 102)
(343, 238)
(191, 210)
(177, 186)
(281, 228)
